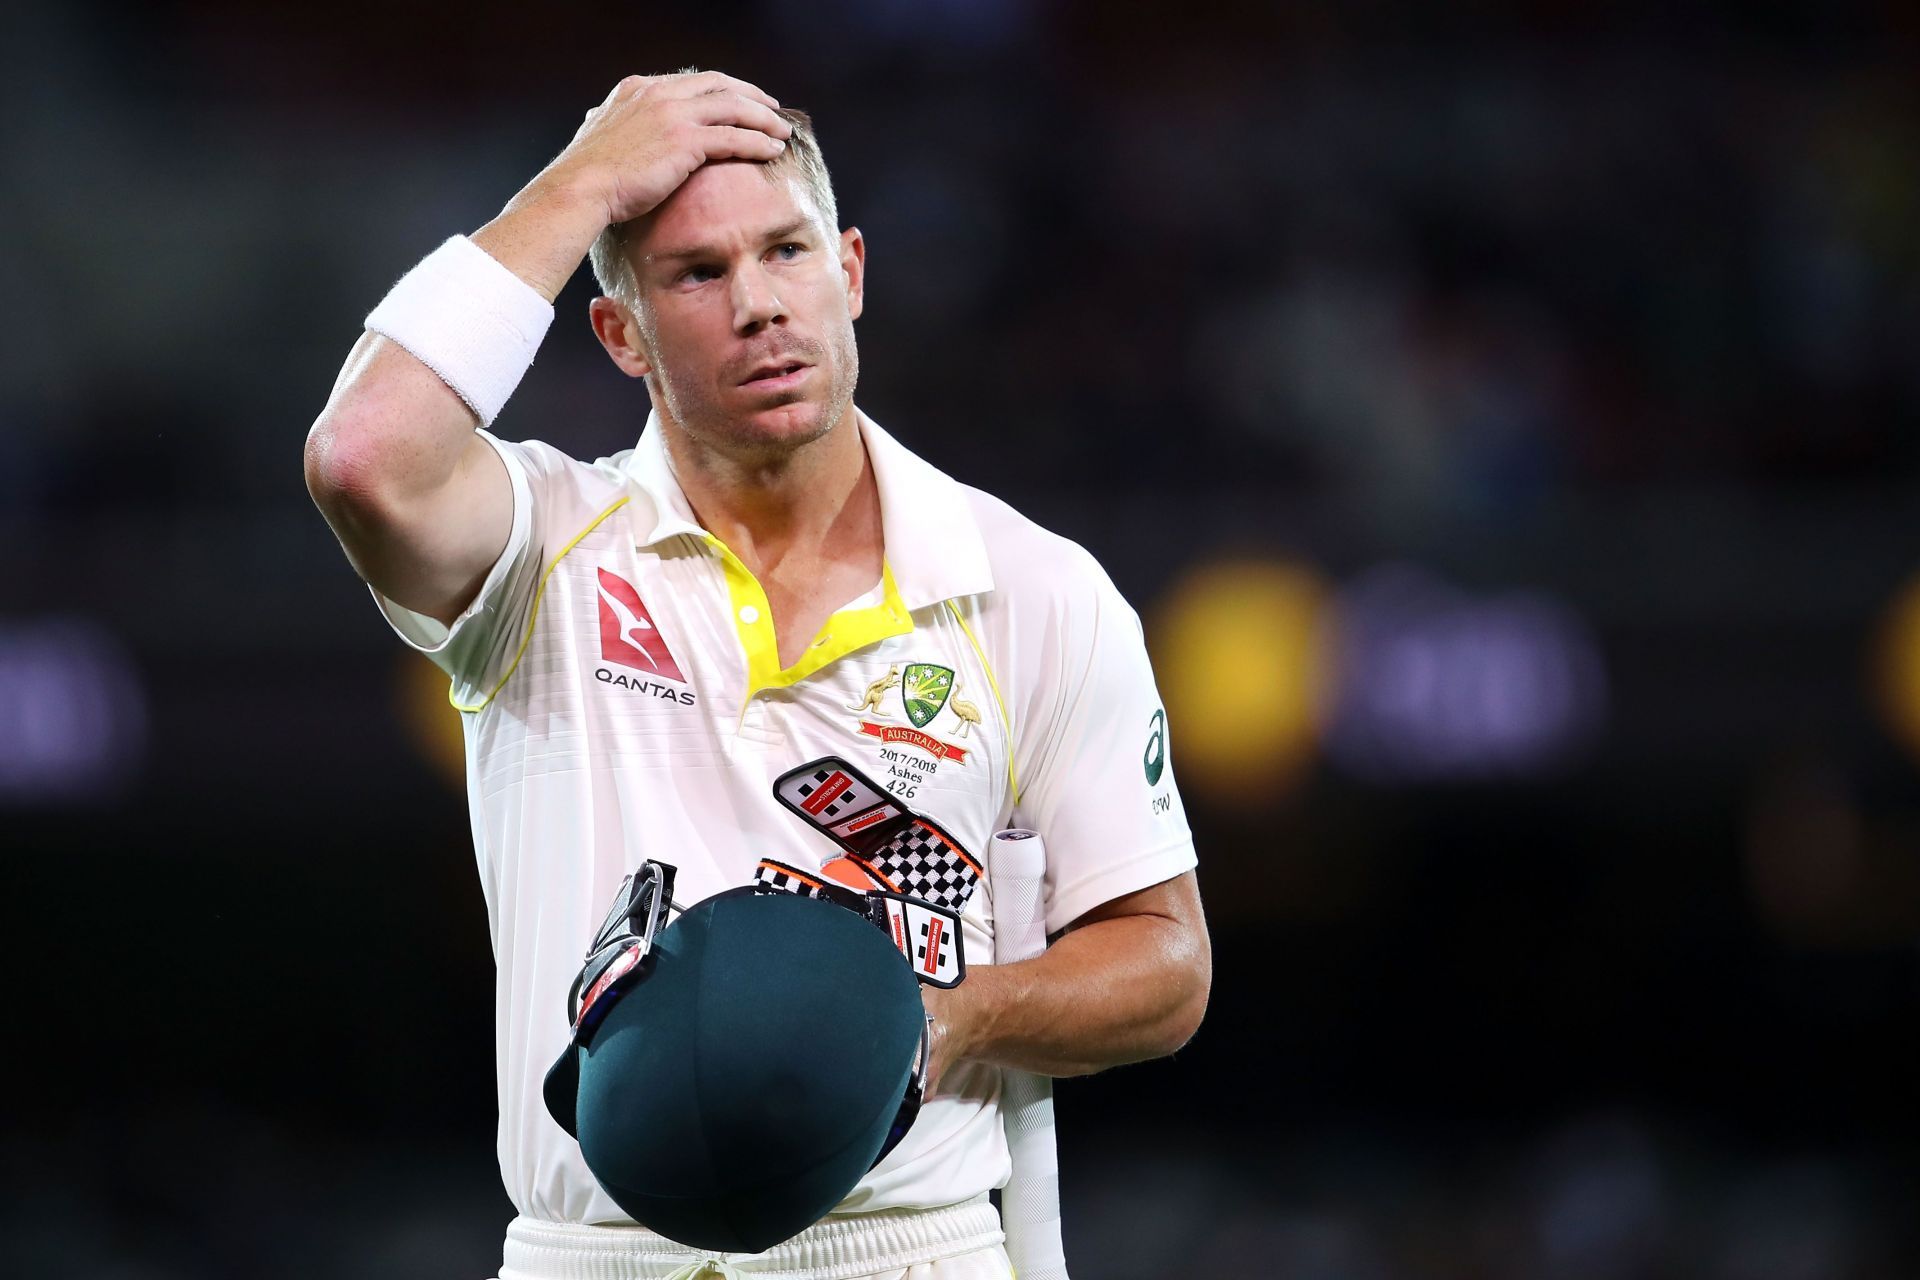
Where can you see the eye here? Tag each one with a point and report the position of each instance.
(789, 251)
(698, 275)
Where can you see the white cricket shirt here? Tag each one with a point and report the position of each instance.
(623, 699)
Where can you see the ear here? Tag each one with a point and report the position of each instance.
(853, 261)
(618, 332)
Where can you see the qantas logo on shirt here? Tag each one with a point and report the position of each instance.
(629, 639)
(627, 633)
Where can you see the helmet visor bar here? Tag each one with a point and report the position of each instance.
(617, 958)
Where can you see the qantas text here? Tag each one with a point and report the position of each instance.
(682, 696)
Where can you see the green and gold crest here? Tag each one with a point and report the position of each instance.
(924, 688)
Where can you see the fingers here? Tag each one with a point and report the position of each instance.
(725, 142)
(747, 113)
(703, 82)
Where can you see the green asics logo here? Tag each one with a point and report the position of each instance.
(1156, 758)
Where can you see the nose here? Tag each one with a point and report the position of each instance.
(755, 302)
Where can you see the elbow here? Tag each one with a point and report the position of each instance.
(348, 479)
(1192, 989)
(1166, 1021)
(333, 465)
(326, 463)
(1159, 1035)
(344, 472)
(1188, 1025)
(1193, 1011)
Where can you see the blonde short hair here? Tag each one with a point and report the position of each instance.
(802, 159)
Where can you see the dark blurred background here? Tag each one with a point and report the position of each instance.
(1502, 417)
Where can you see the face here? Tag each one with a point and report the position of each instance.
(744, 328)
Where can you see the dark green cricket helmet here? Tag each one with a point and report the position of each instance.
(733, 1074)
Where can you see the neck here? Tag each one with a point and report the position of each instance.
(815, 501)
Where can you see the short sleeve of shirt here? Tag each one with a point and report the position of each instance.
(478, 649)
(1095, 778)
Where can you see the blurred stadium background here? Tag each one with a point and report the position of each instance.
(1504, 420)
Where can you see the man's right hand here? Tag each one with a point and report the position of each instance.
(636, 148)
(629, 154)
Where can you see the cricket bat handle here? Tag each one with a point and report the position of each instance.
(1030, 1204)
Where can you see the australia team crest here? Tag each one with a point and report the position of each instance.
(930, 701)
(924, 688)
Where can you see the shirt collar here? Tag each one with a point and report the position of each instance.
(933, 545)
(650, 468)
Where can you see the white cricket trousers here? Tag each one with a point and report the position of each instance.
(960, 1242)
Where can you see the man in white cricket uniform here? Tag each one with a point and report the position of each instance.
(641, 645)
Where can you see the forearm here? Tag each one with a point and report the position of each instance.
(544, 231)
(1110, 992)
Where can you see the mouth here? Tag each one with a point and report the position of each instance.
(777, 376)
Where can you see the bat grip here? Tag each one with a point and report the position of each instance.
(1030, 1204)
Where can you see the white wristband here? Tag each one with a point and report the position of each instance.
(470, 320)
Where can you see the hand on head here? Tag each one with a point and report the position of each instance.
(633, 150)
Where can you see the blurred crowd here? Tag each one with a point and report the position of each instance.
(1439, 271)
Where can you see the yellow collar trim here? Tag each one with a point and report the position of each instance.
(843, 633)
